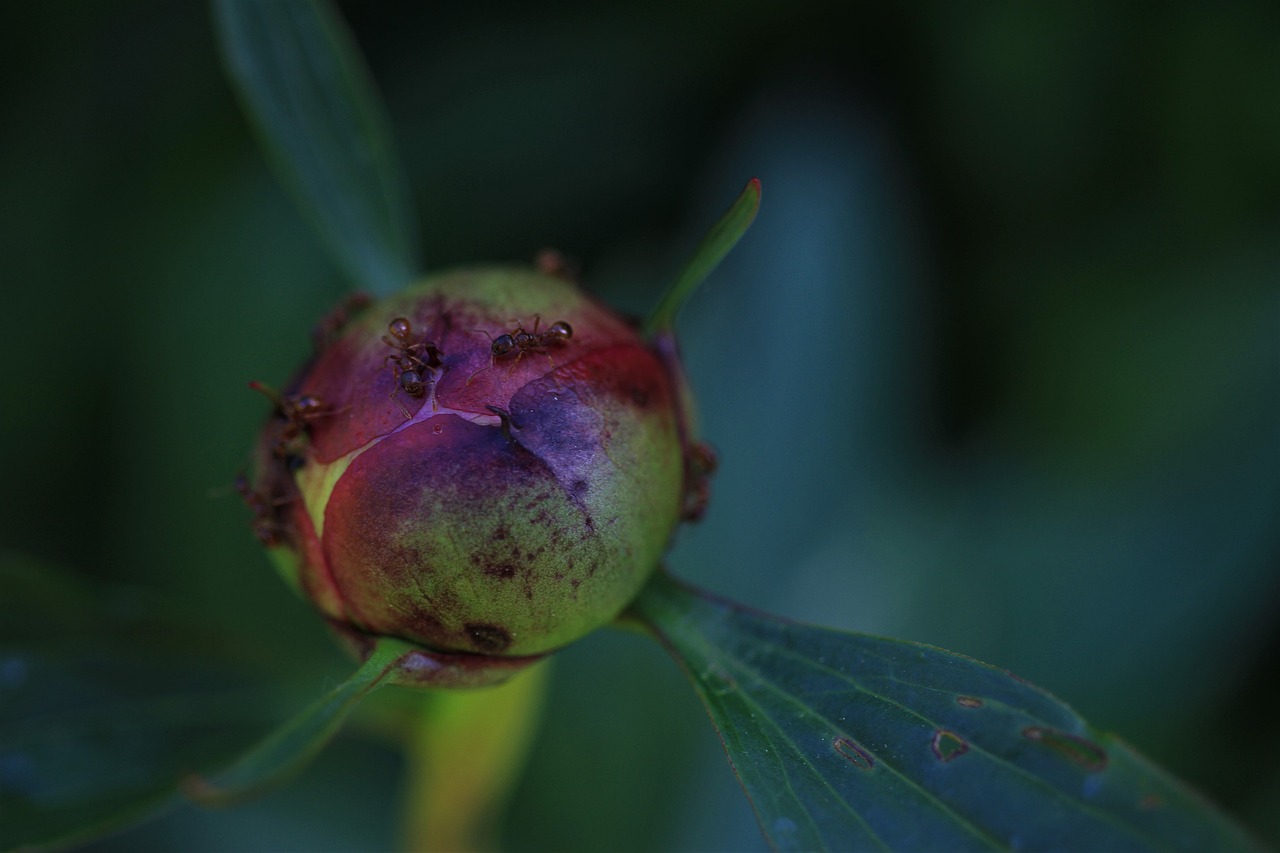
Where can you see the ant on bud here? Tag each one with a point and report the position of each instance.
(266, 522)
(410, 362)
(520, 342)
(699, 464)
(297, 410)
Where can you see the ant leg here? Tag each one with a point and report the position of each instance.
(481, 370)
(403, 410)
(270, 393)
(519, 356)
(552, 374)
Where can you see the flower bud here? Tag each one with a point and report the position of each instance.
(489, 462)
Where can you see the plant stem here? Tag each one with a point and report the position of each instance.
(464, 755)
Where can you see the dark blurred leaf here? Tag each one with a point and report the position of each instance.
(293, 745)
(308, 92)
(720, 240)
(108, 698)
(852, 742)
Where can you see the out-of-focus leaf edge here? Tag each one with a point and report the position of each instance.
(311, 100)
(49, 620)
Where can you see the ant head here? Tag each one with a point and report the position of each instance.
(401, 329)
(307, 404)
(559, 331)
(503, 344)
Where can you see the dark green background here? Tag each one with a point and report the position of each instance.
(997, 368)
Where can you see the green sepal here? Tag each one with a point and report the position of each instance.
(291, 747)
(720, 240)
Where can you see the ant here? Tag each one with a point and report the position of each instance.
(520, 342)
(409, 361)
(297, 410)
(699, 464)
(266, 513)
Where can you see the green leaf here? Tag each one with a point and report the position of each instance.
(303, 83)
(720, 240)
(294, 744)
(108, 698)
(851, 742)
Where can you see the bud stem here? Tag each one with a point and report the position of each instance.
(464, 754)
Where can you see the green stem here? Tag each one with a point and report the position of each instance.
(464, 754)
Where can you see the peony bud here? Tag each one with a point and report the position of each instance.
(489, 462)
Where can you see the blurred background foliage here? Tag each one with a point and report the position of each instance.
(997, 368)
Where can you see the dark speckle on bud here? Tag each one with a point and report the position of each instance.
(475, 483)
(490, 639)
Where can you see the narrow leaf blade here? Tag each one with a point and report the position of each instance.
(292, 746)
(303, 84)
(720, 240)
(853, 742)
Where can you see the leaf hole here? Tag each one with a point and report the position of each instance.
(857, 756)
(948, 745)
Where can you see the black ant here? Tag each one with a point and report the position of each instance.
(297, 410)
(410, 361)
(520, 342)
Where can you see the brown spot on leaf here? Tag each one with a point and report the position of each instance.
(968, 701)
(1077, 750)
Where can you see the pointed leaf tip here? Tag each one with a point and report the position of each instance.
(720, 240)
(851, 742)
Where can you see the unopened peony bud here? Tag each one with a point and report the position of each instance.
(490, 462)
